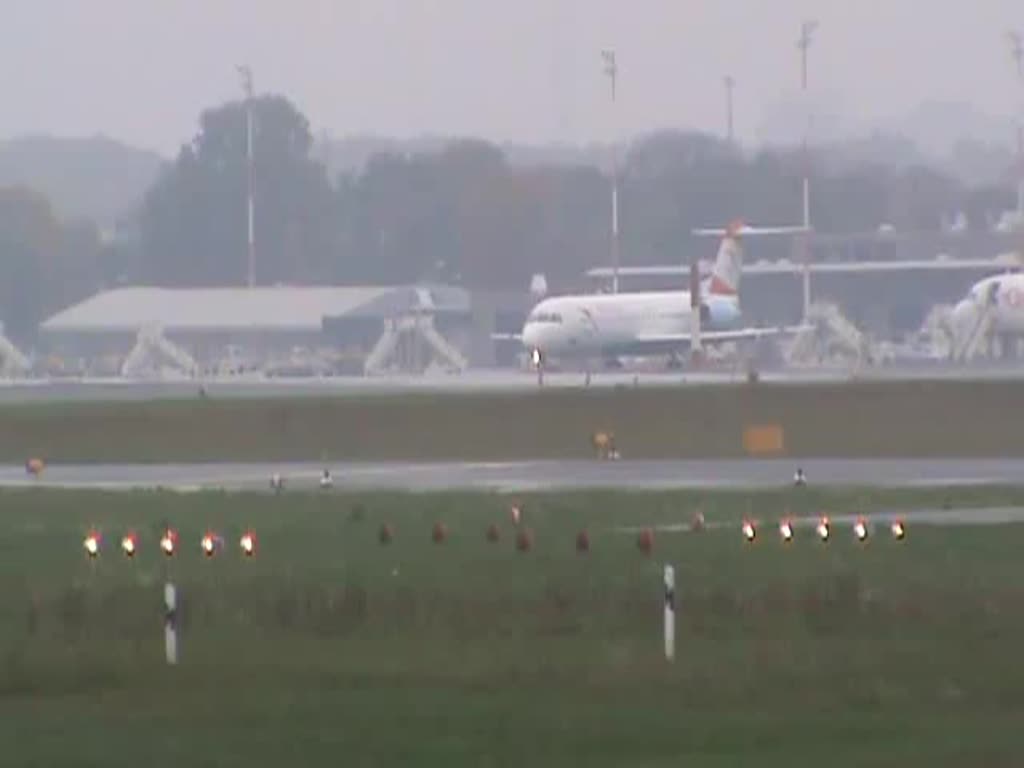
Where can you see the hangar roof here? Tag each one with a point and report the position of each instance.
(437, 298)
(213, 309)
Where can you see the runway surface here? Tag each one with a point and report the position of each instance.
(14, 391)
(528, 475)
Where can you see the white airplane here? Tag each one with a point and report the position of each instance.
(992, 306)
(650, 323)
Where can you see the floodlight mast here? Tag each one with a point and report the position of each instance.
(1017, 52)
(730, 85)
(611, 71)
(807, 31)
(247, 85)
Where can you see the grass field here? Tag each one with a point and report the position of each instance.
(865, 419)
(331, 648)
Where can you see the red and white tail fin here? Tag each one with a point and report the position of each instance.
(725, 275)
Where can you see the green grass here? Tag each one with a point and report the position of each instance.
(865, 419)
(329, 648)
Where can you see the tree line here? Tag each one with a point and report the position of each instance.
(462, 213)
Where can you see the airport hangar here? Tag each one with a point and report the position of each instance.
(243, 327)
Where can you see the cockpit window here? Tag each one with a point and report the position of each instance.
(545, 317)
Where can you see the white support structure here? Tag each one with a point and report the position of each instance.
(12, 361)
(937, 332)
(830, 336)
(975, 338)
(153, 356)
(383, 350)
(411, 343)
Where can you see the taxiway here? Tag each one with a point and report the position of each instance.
(472, 381)
(527, 475)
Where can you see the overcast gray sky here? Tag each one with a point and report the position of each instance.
(529, 70)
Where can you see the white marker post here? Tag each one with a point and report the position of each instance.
(670, 613)
(171, 623)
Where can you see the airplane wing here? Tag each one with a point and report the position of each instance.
(746, 229)
(1002, 261)
(721, 337)
(506, 337)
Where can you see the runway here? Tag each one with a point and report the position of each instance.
(472, 381)
(526, 476)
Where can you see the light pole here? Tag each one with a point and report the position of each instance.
(804, 43)
(730, 84)
(1017, 51)
(611, 70)
(246, 74)
(807, 30)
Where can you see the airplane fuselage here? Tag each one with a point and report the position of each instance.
(1004, 294)
(623, 324)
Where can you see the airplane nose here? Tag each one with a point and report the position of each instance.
(531, 336)
(532, 342)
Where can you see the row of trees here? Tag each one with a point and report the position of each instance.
(463, 213)
(45, 264)
(466, 213)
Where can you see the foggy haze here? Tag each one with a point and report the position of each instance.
(525, 71)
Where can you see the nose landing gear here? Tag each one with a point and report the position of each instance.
(537, 360)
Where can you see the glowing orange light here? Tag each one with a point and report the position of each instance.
(786, 531)
(248, 544)
(749, 531)
(169, 542)
(898, 531)
(209, 545)
(860, 529)
(128, 545)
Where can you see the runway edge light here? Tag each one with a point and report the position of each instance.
(899, 531)
(860, 529)
(824, 528)
(749, 530)
(248, 543)
(169, 542)
(786, 530)
(209, 544)
(91, 543)
(129, 544)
